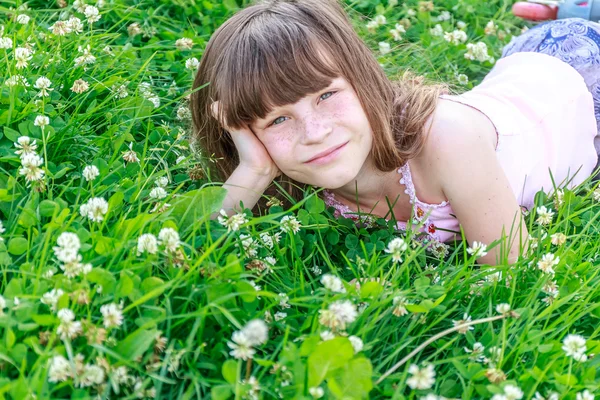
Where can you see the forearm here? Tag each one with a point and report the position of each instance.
(513, 247)
(243, 185)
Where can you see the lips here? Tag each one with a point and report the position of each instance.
(326, 152)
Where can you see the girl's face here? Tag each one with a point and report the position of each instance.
(296, 133)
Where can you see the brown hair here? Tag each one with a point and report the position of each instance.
(276, 52)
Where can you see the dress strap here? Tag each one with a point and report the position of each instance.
(407, 181)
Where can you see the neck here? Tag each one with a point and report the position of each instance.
(370, 187)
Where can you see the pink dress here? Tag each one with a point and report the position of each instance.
(544, 118)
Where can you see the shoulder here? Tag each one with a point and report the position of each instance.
(456, 131)
(456, 137)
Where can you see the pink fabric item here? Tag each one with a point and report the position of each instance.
(544, 117)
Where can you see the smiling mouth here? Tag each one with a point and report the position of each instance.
(329, 155)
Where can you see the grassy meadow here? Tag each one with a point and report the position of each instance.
(115, 283)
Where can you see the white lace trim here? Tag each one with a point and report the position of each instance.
(407, 181)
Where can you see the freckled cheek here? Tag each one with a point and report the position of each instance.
(281, 149)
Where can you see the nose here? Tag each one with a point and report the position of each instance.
(316, 129)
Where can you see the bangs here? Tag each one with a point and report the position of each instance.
(271, 63)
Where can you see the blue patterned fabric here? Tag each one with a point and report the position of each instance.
(575, 41)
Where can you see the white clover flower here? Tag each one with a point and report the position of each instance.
(326, 335)
(344, 310)
(51, 298)
(41, 121)
(130, 155)
(477, 249)
(503, 308)
(544, 215)
(547, 263)
(183, 113)
(95, 209)
(396, 247)
(461, 324)
(437, 30)
(357, 343)
(384, 47)
(59, 369)
(67, 241)
(422, 378)
(87, 58)
(158, 193)
(147, 243)
(397, 32)
(146, 92)
(511, 392)
(22, 55)
(92, 14)
(279, 315)
(444, 16)
(241, 347)
(290, 224)
(65, 315)
(256, 332)
(455, 37)
(249, 245)
(43, 85)
(380, 19)
(233, 222)
(31, 167)
(574, 346)
(372, 25)
(90, 172)
(596, 194)
(462, 79)
(478, 51)
(25, 146)
(184, 44)
(119, 91)
(490, 28)
(79, 86)
(169, 238)
(113, 315)
(2, 304)
(585, 395)
(192, 63)
(68, 328)
(266, 239)
(476, 354)
(461, 24)
(60, 28)
(17, 80)
(23, 19)
(75, 25)
(92, 375)
(6, 43)
(558, 239)
(316, 392)
(550, 396)
(163, 181)
(400, 304)
(333, 283)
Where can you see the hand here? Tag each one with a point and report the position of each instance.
(534, 11)
(252, 153)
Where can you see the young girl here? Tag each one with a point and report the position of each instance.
(287, 90)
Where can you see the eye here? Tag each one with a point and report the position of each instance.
(274, 123)
(327, 93)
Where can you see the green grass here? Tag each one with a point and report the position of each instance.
(182, 303)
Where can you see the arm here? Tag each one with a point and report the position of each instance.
(480, 194)
(245, 185)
